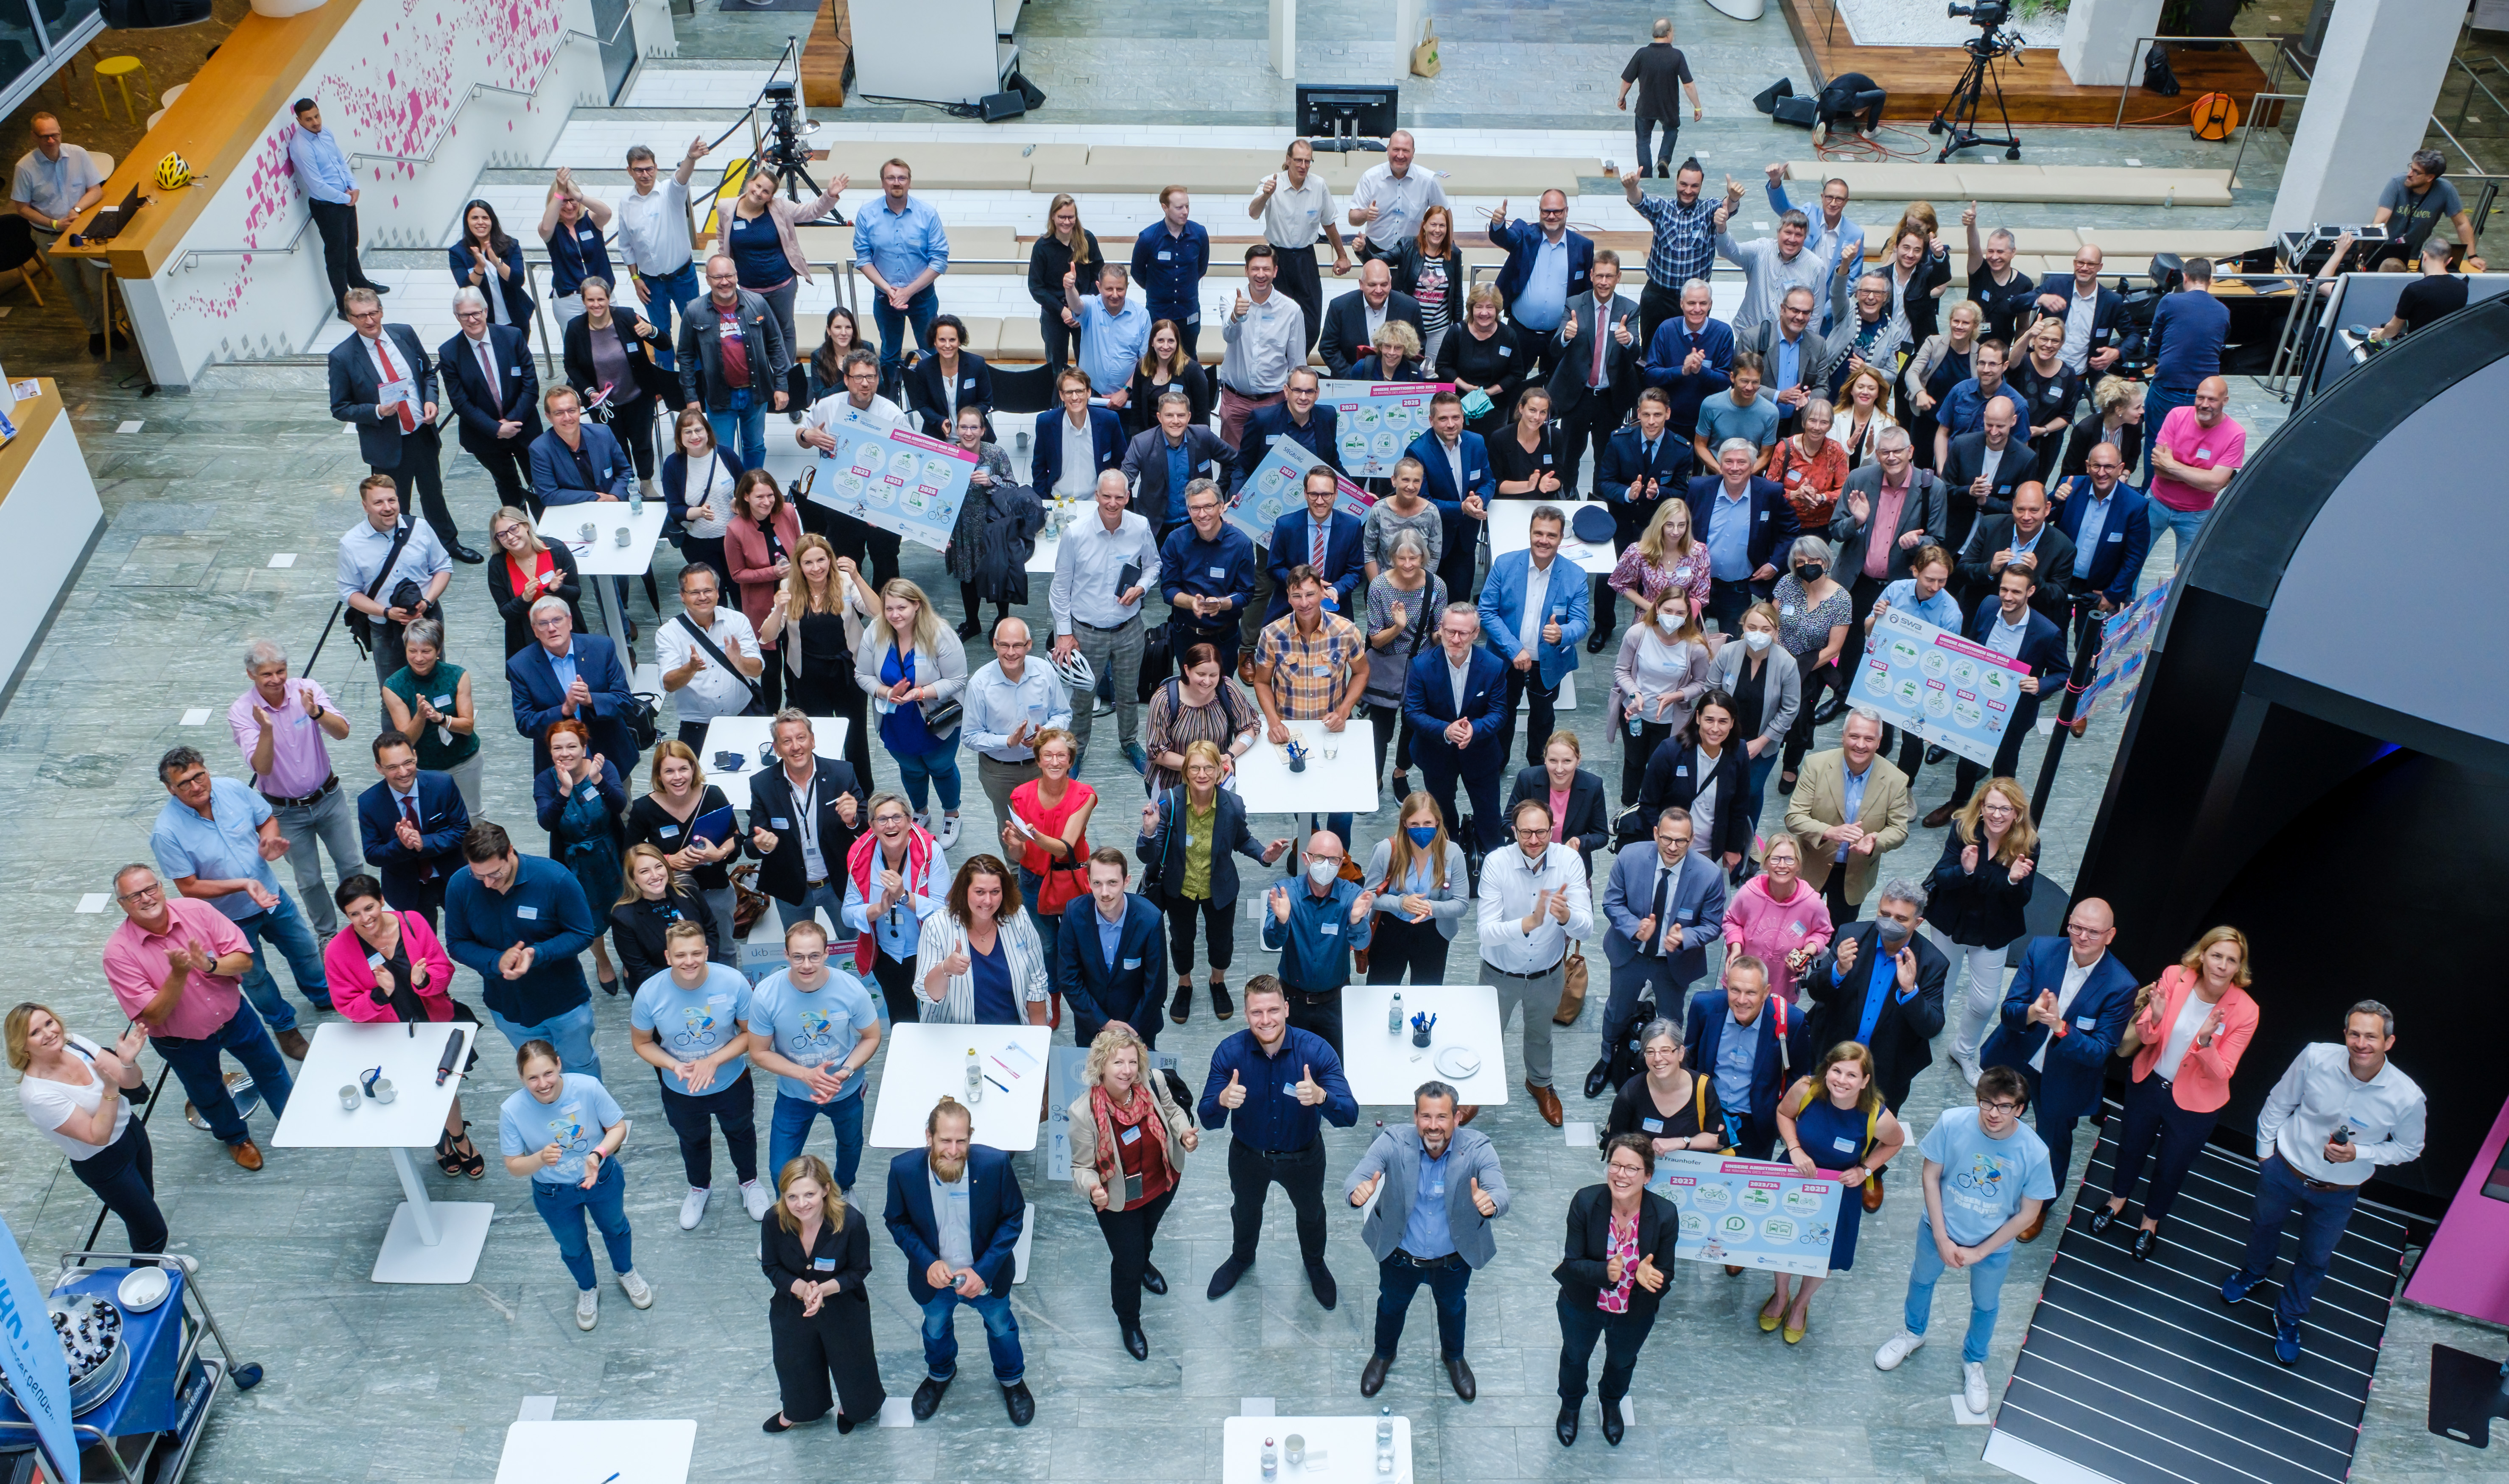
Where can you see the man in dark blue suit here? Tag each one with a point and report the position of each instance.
(2063, 1015)
(411, 825)
(1639, 467)
(1746, 523)
(494, 391)
(1747, 1044)
(1465, 740)
(1455, 476)
(1047, 470)
(576, 463)
(967, 1259)
(567, 674)
(1296, 537)
(1207, 571)
(1106, 957)
(2015, 629)
(1546, 267)
(2109, 521)
(397, 437)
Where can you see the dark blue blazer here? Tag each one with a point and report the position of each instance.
(1522, 239)
(356, 383)
(1625, 462)
(1774, 526)
(517, 396)
(927, 397)
(1272, 422)
(1290, 547)
(2078, 1061)
(1127, 989)
(1045, 459)
(518, 297)
(995, 1211)
(1457, 530)
(2126, 536)
(537, 696)
(2042, 649)
(443, 820)
(558, 480)
(1164, 878)
(1705, 1032)
(1429, 706)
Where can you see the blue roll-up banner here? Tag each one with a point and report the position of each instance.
(30, 1353)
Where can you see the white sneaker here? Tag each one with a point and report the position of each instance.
(948, 835)
(754, 1195)
(1966, 1063)
(639, 1292)
(693, 1210)
(1973, 1387)
(1898, 1348)
(588, 1308)
(923, 819)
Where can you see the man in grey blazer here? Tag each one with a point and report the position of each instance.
(1663, 904)
(1890, 490)
(1794, 358)
(1437, 1188)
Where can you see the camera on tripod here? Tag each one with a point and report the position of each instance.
(781, 153)
(1985, 14)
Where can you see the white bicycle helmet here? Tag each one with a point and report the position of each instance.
(1074, 669)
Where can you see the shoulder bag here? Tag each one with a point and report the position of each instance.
(757, 697)
(360, 625)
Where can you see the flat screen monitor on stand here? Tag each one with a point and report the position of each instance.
(1343, 116)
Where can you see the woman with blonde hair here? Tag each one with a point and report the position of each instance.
(1129, 1139)
(980, 961)
(1663, 668)
(815, 1251)
(1668, 558)
(1065, 246)
(914, 669)
(1479, 354)
(654, 897)
(1941, 363)
(676, 796)
(1833, 1125)
(2187, 1034)
(1394, 356)
(1190, 838)
(78, 1094)
(1048, 833)
(524, 571)
(1422, 889)
(1862, 413)
(815, 625)
(1975, 899)
(2115, 419)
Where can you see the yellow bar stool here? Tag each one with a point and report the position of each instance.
(118, 68)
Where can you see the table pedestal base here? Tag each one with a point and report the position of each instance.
(430, 1242)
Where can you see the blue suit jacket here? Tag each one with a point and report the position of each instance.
(1429, 707)
(2126, 536)
(1271, 422)
(1625, 462)
(1774, 526)
(995, 1211)
(443, 820)
(1507, 627)
(1522, 239)
(1290, 547)
(1126, 989)
(1438, 484)
(537, 696)
(1698, 907)
(2042, 649)
(2078, 1061)
(1045, 458)
(1706, 1033)
(356, 383)
(479, 406)
(558, 480)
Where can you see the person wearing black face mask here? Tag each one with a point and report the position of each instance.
(1813, 614)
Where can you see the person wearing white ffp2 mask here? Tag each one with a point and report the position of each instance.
(1767, 691)
(1314, 925)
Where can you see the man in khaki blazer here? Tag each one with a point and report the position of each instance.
(1816, 815)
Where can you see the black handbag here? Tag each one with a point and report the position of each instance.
(643, 717)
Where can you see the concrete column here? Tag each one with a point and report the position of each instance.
(2101, 47)
(1284, 39)
(2368, 107)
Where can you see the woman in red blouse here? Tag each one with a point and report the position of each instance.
(1129, 1139)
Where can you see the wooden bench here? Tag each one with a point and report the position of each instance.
(2097, 185)
(825, 57)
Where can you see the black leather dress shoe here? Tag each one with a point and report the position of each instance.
(377, 288)
(1460, 1373)
(1597, 641)
(1612, 1426)
(2100, 1219)
(1135, 1344)
(1154, 1280)
(1935, 755)
(2144, 1244)
(465, 555)
(1182, 1005)
(1599, 1078)
(1371, 1377)
(927, 1399)
(1320, 1278)
(1566, 1427)
(1225, 1276)
(1020, 1404)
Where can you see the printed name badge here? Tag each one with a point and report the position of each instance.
(1332, 930)
(2116, 536)
(1165, 255)
(1507, 350)
(527, 913)
(1843, 1145)
(779, 824)
(2085, 1023)
(1129, 1136)
(1221, 572)
(969, 384)
(441, 701)
(1132, 963)
(823, 1264)
(1651, 1125)
(1545, 458)
(375, 960)
(1681, 770)
(1788, 611)
(1684, 914)
(669, 832)
(1764, 515)
(1289, 1090)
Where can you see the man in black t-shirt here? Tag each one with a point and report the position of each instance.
(2003, 291)
(2435, 293)
(1657, 69)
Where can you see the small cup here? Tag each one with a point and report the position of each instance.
(590, 530)
(1293, 1450)
(621, 538)
(1419, 1037)
(348, 1099)
(384, 1090)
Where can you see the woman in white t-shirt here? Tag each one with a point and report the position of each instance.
(77, 1094)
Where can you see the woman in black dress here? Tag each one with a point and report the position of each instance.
(1524, 455)
(1481, 355)
(825, 602)
(1167, 364)
(815, 1251)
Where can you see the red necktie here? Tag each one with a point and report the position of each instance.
(1317, 561)
(391, 373)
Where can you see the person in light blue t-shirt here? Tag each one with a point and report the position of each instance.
(1986, 1180)
(815, 1029)
(561, 1132)
(692, 1024)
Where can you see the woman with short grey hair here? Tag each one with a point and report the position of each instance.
(1666, 1103)
(1401, 622)
(1814, 612)
(429, 702)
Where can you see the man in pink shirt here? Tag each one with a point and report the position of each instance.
(2193, 455)
(174, 966)
(279, 727)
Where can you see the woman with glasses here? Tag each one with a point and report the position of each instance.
(1775, 918)
(429, 702)
(1612, 1275)
(1833, 1126)
(1666, 1103)
(698, 479)
(524, 571)
(1975, 898)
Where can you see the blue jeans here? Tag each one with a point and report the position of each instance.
(1001, 1336)
(1985, 1292)
(1398, 1278)
(1049, 925)
(568, 1030)
(284, 926)
(2322, 1214)
(892, 323)
(789, 1133)
(743, 424)
(2182, 524)
(196, 1067)
(671, 292)
(564, 1205)
(2156, 404)
(1759, 794)
(919, 774)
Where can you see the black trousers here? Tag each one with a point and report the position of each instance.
(896, 979)
(1319, 1013)
(2057, 1134)
(1385, 719)
(122, 1174)
(1129, 1235)
(1304, 285)
(421, 468)
(1542, 716)
(692, 1117)
(1861, 594)
(1251, 1174)
(1635, 752)
(2152, 1112)
(1581, 1325)
(1403, 951)
(1799, 736)
(1661, 157)
(1058, 339)
(1583, 434)
(1481, 786)
(1833, 895)
(1539, 349)
(1219, 923)
(633, 427)
(1655, 304)
(336, 223)
(1726, 604)
(508, 463)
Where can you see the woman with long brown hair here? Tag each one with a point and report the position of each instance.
(1066, 247)
(817, 621)
(916, 668)
(758, 543)
(1167, 364)
(1430, 268)
(1422, 889)
(1975, 898)
(1833, 1122)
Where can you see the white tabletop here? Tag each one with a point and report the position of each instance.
(744, 735)
(341, 1051)
(636, 1452)
(1348, 1443)
(1042, 559)
(1342, 784)
(1511, 529)
(603, 556)
(1385, 1067)
(922, 1062)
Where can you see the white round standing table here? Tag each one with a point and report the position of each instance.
(429, 1241)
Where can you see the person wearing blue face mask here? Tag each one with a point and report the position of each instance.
(1420, 879)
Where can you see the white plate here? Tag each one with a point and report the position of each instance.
(1458, 1062)
(144, 1289)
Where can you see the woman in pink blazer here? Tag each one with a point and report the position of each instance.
(388, 966)
(1778, 919)
(2185, 1036)
(758, 545)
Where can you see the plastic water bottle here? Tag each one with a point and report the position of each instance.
(1385, 1440)
(1271, 1461)
(975, 1078)
(1393, 1015)
(636, 499)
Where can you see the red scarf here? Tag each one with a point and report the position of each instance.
(1143, 1110)
(858, 864)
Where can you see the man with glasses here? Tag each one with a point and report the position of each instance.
(1881, 986)
(1771, 265)
(2061, 1021)
(815, 1029)
(54, 182)
(1987, 1178)
(731, 344)
(1546, 267)
(2109, 521)
(215, 840)
(2097, 333)
(1829, 233)
(901, 247)
(654, 242)
(495, 390)
(1661, 908)
(1008, 703)
(1207, 571)
(1534, 901)
(1310, 665)
(1314, 928)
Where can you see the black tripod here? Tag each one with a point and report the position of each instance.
(783, 155)
(1967, 94)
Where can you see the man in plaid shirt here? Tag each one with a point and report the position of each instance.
(1309, 666)
(1684, 247)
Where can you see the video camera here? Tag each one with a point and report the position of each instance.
(1985, 14)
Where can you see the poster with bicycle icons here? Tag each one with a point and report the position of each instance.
(1377, 420)
(1279, 486)
(1942, 686)
(894, 479)
(1749, 1215)
(2125, 642)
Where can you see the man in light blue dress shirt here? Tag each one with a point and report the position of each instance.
(331, 194)
(52, 183)
(901, 246)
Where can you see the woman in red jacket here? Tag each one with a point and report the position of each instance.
(758, 545)
(388, 966)
(2185, 1036)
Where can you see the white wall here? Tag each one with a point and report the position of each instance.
(46, 528)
